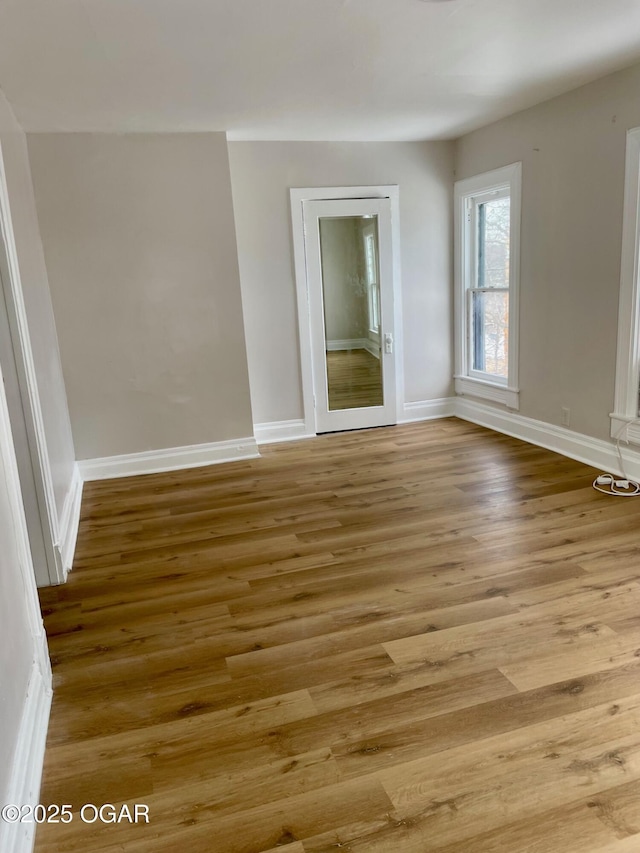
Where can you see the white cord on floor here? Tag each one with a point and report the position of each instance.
(611, 484)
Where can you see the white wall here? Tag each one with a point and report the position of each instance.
(262, 173)
(572, 149)
(139, 240)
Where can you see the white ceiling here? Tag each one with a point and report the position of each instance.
(302, 69)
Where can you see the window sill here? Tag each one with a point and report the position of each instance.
(625, 428)
(509, 397)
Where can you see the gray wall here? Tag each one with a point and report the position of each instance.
(37, 298)
(139, 239)
(262, 173)
(572, 150)
(343, 288)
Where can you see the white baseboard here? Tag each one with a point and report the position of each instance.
(595, 452)
(168, 459)
(372, 348)
(347, 343)
(592, 451)
(428, 410)
(270, 433)
(69, 521)
(355, 343)
(26, 770)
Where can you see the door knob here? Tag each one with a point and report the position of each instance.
(388, 342)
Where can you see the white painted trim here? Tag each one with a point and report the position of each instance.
(357, 417)
(70, 520)
(509, 397)
(25, 567)
(627, 429)
(628, 353)
(304, 312)
(355, 343)
(276, 431)
(510, 176)
(595, 452)
(428, 410)
(349, 343)
(26, 768)
(373, 349)
(592, 451)
(28, 760)
(298, 196)
(15, 283)
(167, 459)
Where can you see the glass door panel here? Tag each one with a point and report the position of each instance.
(351, 300)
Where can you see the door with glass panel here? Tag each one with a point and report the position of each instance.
(348, 250)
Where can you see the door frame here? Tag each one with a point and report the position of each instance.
(351, 417)
(298, 196)
(36, 455)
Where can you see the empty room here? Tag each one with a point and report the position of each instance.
(319, 426)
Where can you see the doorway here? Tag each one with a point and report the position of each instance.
(347, 273)
(42, 551)
(20, 388)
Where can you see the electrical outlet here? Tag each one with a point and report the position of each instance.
(565, 416)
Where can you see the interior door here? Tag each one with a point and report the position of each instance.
(348, 248)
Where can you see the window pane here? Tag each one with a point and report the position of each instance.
(494, 222)
(370, 258)
(371, 274)
(490, 332)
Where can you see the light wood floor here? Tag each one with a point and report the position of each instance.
(411, 639)
(354, 379)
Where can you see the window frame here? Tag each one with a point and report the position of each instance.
(468, 194)
(624, 418)
(369, 233)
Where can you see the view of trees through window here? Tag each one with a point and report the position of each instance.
(371, 269)
(490, 296)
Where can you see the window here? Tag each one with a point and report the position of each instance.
(487, 212)
(371, 275)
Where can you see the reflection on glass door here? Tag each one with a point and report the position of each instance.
(351, 299)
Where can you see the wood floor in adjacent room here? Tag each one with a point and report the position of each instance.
(354, 379)
(402, 640)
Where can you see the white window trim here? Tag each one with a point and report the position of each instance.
(497, 391)
(625, 413)
(367, 233)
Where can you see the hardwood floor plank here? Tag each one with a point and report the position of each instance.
(625, 845)
(565, 830)
(425, 738)
(341, 728)
(612, 652)
(569, 828)
(442, 814)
